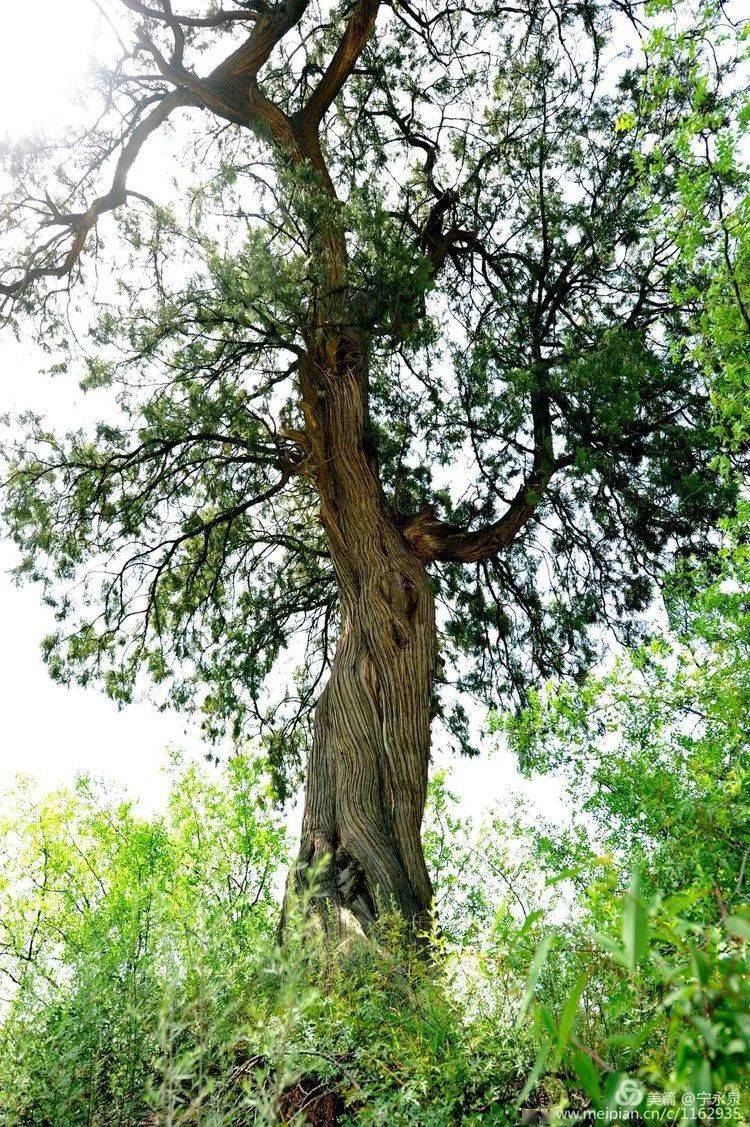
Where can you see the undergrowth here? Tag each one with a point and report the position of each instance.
(144, 984)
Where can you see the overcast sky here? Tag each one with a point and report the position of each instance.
(47, 730)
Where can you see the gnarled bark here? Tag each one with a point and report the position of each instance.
(367, 772)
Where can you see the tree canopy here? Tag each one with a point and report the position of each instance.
(515, 207)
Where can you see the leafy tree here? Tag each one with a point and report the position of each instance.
(656, 749)
(120, 933)
(403, 397)
(655, 753)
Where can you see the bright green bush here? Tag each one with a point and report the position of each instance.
(144, 983)
(130, 946)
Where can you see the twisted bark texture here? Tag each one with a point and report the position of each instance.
(367, 774)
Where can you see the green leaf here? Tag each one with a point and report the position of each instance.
(635, 923)
(738, 926)
(569, 1012)
(611, 946)
(536, 1072)
(558, 878)
(702, 1083)
(530, 920)
(586, 1072)
(625, 122)
(537, 965)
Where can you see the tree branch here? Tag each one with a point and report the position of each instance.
(438, 540)
(247, 13)
(435, 540)
(39, 264)
(344, 59)
(239, 71)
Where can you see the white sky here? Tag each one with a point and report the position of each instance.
(47, 730)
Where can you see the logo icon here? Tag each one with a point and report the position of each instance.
(629, 1092)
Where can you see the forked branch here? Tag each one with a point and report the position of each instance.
(57, 258)
(353, 41)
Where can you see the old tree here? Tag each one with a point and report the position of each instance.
(400, 402)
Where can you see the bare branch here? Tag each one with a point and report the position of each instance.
(347, 53)
(44, 262)
(246, 14)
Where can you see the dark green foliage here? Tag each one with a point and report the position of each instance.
(534, 285)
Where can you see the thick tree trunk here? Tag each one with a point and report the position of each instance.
(367, 772)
